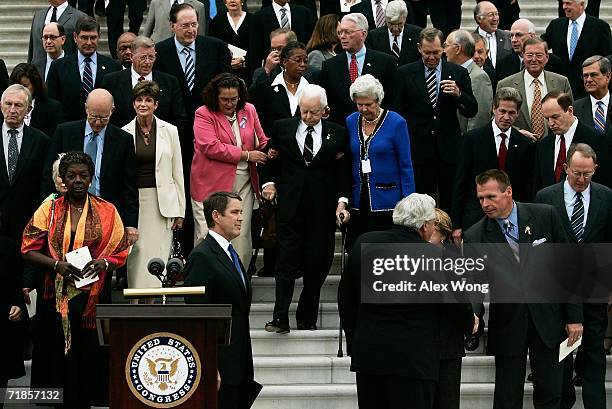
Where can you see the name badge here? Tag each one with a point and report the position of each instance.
(365, 166)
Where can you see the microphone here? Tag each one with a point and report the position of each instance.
(156, 267)
(173, 269)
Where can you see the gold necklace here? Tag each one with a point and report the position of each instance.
(375, 120)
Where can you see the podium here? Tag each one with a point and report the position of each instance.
(163, 356)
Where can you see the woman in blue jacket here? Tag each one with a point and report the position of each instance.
(381, 163)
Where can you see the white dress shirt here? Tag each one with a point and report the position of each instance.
(5, 141)
(58, 14)
(569, 137)
(605, 100)
(383, 4)
(569, 196)
(222, 242)
(399, 39)
(300, 137)
(236, 26)
(49, 61)
(28, 117)
(580, 20)
(491, 41)
(498, 139)
(178, 1)
(277, 11)
(93, 65)
(530, 87)
(182, 57)
(135, 76)
(279, 83)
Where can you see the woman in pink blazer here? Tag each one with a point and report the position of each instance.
(228, 144)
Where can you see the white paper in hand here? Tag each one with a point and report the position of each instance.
(31, 307)
(79, 258)
(237, 52)
(564, 350)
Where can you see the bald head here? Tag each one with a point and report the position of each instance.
(486, 16)
(99, 107)
(521, 31)
(124, 50)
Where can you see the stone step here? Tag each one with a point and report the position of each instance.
(262, 313)
(263, 289)
(296, 343)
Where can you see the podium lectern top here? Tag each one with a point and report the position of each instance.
(142, 311)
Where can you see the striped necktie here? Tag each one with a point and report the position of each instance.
(395, 49)
(537, 118)
(189, 68)
(599, 118)
(87, 77)
(577, 221)
(308, 146)
(573, 39)
(13, 153)
(284, 18)
(432, 87)
(380, 14)
(512, 241)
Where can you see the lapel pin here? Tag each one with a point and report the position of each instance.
(243, 122)
(369, 65)
(103, 67)
(276, 89)
(327, 137)
(515, 146)
(528, 231)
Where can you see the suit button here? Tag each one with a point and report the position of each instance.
(434, 117)
(433, 132)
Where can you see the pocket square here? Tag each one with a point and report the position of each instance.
(538, 242)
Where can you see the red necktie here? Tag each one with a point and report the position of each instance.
(503, 152)
(560, 160)
(353, 68)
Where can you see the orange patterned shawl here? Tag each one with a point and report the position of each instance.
(99, 228)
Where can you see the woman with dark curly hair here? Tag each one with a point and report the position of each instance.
(46, 112)
(66, 352)
(228, 142)
(322, 44)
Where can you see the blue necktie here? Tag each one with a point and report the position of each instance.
(573, 39)
(511, 239)
(88, 83)
(236, 261)
(213, 9)
(577, 221)
(92, 150)
(599, 118)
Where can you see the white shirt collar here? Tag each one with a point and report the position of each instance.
(485, 34)
(236, 26)
(497, 131)
(571, 193)
(60, 10)
(580, 20)
(5, 129)
(318, 128)
(180, 46)
(135, 76)
(569, 134)
(172, 2)
(530, 78)
(50, 60)
(222, 242)
(605, 100)
(279, 80)
(276, 7)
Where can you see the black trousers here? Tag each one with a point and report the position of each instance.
(86, 6)
(394, 392)
(590, 361)
(114, 14)
(448, 387)
(547, 375)
(436, 179)
(445, 15)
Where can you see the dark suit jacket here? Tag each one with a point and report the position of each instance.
(64, 83)
(46, 115)
(118, 173)
(479, 154)
(21, 197)
(365, 8)
(504, 46)
(378, 39)
(265, 21)
(544, 174)
(509, 322)
(4, 78)
(209, 265)
(212, 58)
(436, 131)
(595, 39)
(311, 5)
(335, 78)
(170, 108)
(272, 104)
(68, 19)
(511, 64)
(584, 112)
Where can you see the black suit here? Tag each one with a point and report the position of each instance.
(265, 21)
(435, 136)
(595, 39)
(365, 8)
(272, 104)
(335, 78)
(311, 5)
(479, 154)
(583, 109)
(221, 29)
(544, 174)
(511, 64)
(305, 217)
(115, 14)
(118, 170)
(516, 327)
(378, 39)
(209, 265)
(20, 197)
(46, 115)
(4, 78)
(592, 8)
(591, 359)
(170, 108)
(65, 85)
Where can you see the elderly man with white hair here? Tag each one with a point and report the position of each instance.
(339, 72)
(396, 38)
(576, 37)
(394, 348)
(311, 178)
(486, 16)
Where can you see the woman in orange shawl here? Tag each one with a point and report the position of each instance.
(59, 226)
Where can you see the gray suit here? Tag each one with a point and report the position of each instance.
(554, 82)
(68, 19)
(483, 92)
(157, 25)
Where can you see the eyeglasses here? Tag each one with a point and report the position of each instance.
(444, 45)
(299, 60)
(537, 56)
(586, 175)
(348, 33)
(491, 14)
(95, 118)
(50, 37)
(146, 57)
(185, 26)
(232, 100)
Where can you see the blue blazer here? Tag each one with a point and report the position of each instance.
(392, 177)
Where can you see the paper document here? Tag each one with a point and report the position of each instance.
(79, 258)
(564, 350)
(31, 307)
(236, 52)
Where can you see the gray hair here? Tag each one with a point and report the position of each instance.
(465, 40)
(478, 9)
(141, 42)
(290, 35)
(367, 86)
(477, 38)
(507, 94)
(359, 19)
(414, 210)
(314, 91)
(530, 26)
(12, 89)
(55, 168)
(604, 64)
(584, 149)
(395, 10)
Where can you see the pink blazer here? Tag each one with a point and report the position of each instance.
(216, 154)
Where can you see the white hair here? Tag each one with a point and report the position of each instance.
(414, 211)
(367, 86)
(395, 10)
(359, 19)
(314, 91)
(15, 88)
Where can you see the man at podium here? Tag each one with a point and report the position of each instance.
(215, 264)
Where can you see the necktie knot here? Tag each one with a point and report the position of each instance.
(578, 195)
(87, 60)
(186, 50)
(309, 129)
(503, 136)
(141, 78)
(13, 132)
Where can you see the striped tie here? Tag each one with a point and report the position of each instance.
(395, 49)
(284, 18)
(13, 153)
(432, 87)
(537, 118)
(189, 68)
(573, 39)
(577, 221)
(512, 241)
(308, 146)
(87, 77)
(380, 14)
(599, 118)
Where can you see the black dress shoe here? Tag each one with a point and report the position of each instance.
(276, 326)
(577, 380)
(309, 327)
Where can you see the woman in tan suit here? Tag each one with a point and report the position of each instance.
(160, 185)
